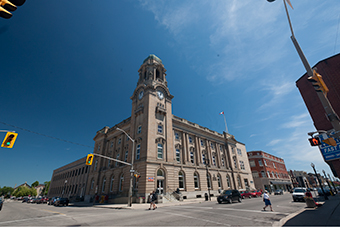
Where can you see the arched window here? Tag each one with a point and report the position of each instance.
(121, 182)
(228, 181)
(160, 173)
(111, 183)
(103, 185)
(219, 181)
(196, 181)
(181, 180)
(239, 182)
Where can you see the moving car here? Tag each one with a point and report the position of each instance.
(245, 194)
(229, 196)
(61, 202)
(299, 194)
(278, 192)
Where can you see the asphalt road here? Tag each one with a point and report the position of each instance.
(247, 213)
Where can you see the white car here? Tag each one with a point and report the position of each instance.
(299, 194)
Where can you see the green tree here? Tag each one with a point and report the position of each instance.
(46, 188)
(6, 191)
(24, 191)
(35, 184)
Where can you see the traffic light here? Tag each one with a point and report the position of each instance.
(318, 83)
(89, 159)
(9, 140)
(314, 141)
(6, 5)
(137, 175)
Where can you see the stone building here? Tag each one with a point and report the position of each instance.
(170, 153)
(269, 172)
(69, 180)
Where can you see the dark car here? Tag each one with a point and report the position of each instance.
(245, 194)
(326, 190)
(278, 192)
(52, 201)
(1, 203)
(229, 196)
(61, 202)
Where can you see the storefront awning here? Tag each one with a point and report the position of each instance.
(280, 182)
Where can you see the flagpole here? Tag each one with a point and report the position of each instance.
(225, 122)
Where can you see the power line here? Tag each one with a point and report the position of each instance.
(40, 134)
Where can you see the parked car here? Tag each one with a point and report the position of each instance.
(1, 203)
(25, 200)
(299, 194)
(278, 192)
(326, 190)
(229, 196)
(52, 201)
(245, 194)
(256, 193)
(61, 202)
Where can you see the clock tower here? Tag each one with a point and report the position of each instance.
(151, 118)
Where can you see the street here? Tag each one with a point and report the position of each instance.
(247, 213)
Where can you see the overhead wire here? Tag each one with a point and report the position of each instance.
(41, 134)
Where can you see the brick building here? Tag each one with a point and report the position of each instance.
(269, 172)
(329, 68)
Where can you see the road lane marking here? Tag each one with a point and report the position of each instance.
(28, 219)
(54, 212)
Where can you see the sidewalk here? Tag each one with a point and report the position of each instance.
(326, 215)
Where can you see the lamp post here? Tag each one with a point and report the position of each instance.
(131, 169)
(335, 190)
(62, 196)
(329, 185)
(208, 178)
(324, 194)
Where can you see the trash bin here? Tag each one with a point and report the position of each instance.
(206, 196)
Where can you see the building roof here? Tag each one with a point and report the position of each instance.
(153, 57)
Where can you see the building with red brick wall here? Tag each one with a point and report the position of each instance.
(329, 69)
(269, 172)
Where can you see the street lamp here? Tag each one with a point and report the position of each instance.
(131, 170)
(320, 183)
(64, 189)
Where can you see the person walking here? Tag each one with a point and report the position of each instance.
(266, 201)
(153, 198)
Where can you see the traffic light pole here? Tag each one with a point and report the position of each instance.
(332, 116)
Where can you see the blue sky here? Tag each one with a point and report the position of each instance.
(68, 69)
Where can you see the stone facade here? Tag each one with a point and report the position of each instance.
(169, 152)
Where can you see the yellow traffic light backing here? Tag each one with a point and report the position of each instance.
(9, 5)
(330, 141)
(318, 83)
(89, 159)
(9, 140)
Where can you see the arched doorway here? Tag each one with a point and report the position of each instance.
(160, 181)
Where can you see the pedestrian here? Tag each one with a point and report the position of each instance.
(153, 198)
(266, 201)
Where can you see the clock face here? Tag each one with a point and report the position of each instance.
(160, 95)
(140, 96)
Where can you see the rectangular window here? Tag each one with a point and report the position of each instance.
(239, 152)
(176, 136)
(203, 158)
(192, 157)
(274, 165)
(222, 160)
(190, 139)
(233, 150)
(117, 159)
(202, 143)
(160, 151)
(255, 174)
(160, 128)
(214, 160)
(265, 163)
(260, 163)
(178, 155)
(95, 165)
(268, 174)
(252, 163)
(263, 174)
(212, 145)
(126, 156)
(138, 151)
(139, 130)
(242, 165)
(119, 141)
(109, 163)
(98, 147)
(111, 144)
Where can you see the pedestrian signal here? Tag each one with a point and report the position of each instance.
(314, 141)
(89, 159)
(9, 140)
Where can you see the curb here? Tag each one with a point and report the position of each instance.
(288, 217)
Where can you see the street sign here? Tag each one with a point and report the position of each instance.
(329, 152)
(132, 170)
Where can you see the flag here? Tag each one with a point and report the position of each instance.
(288, 1)
(222, 112)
